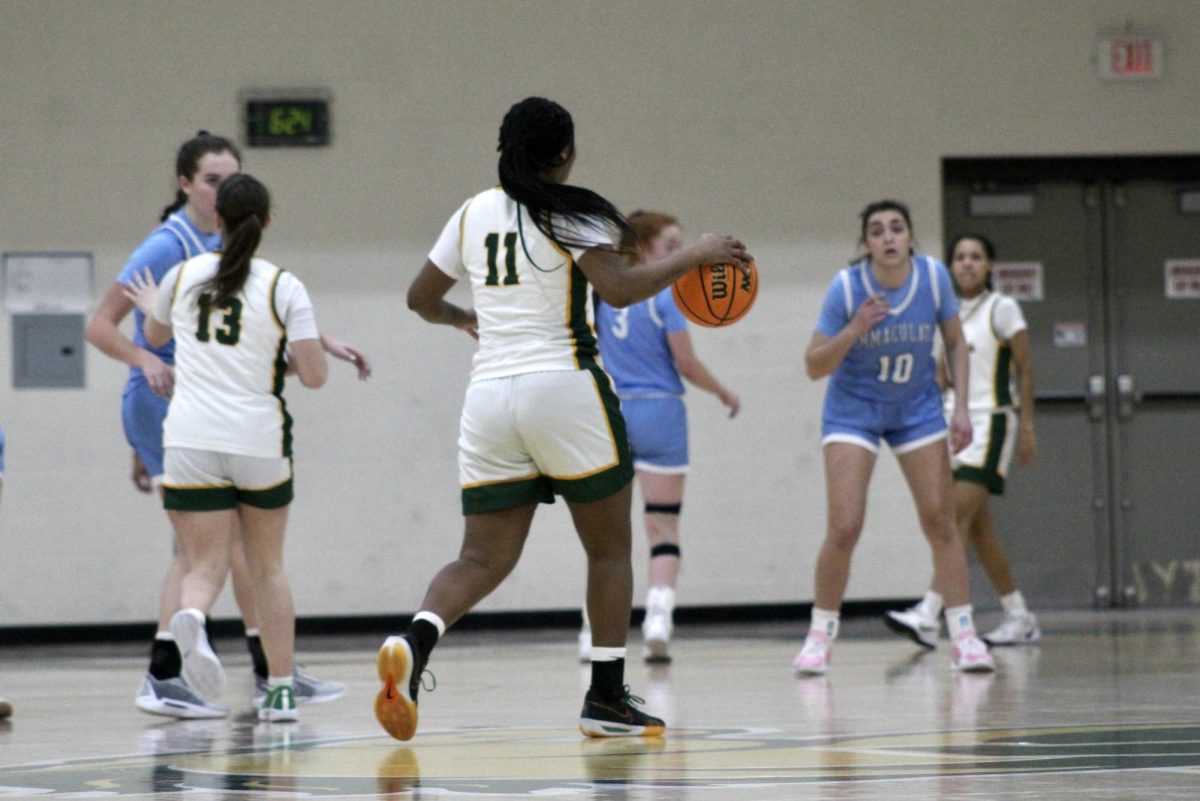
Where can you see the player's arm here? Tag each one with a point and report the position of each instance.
(619, 285)
(941, 368)
(825, 352)
(958, 357)
(427, 297)
(690, 367)
(307, 360)
(1023, 361)
(104, 333)
(102, 330)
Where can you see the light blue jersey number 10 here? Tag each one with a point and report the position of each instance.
(898, 370)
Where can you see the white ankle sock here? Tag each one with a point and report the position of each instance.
(959, 619)
(1014, 604)
(931, 605)
(825, 621)
(607, 654)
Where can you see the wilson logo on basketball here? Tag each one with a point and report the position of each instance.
(714, 295)
(719, 286)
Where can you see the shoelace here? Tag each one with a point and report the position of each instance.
(629, 698)
(432, 678)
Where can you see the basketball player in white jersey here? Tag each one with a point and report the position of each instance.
(240, 325)
(998, 338)
(540, 417)
(188, 228)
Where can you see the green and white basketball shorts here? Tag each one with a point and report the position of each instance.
(205, 481)
(985, 461)
(524, 438)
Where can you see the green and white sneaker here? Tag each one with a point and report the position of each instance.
(309, 688)
(279, 705)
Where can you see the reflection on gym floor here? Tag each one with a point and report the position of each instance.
(1105, 707)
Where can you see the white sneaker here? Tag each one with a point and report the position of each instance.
(656, 632)
(813, 658)
(1019, 630)
(971, 655)
(914, 624)
(175, 699)
(201, 668)
(585, 644)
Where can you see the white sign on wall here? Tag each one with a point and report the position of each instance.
(47, 283)
(1130, 56)
(1020, 280)
(1182, 278)
(1070, 334)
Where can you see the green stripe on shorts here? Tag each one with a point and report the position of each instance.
(989, 475)
(506, 495)
(610, 481)
(271, 498)
(199, 499)
(215, 499)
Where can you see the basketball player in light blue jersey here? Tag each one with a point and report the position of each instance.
(188, 228)
(874, 340)
(647, 351)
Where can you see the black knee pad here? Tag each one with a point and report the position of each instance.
(665, 549)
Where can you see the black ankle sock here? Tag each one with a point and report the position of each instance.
(608, 679)
(257, 655)
(165, 660)
(424, 635)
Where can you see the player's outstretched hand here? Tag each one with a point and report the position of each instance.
(142, 291)
(348, 353)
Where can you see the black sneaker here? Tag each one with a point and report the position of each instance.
(396, 704)
(617, 718)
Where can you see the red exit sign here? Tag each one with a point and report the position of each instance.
(1130, 57)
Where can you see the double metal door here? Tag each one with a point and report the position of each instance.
(1107, 254)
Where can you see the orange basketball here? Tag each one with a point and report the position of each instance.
(713, 295)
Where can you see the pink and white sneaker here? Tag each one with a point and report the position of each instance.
(813, 658)
(970, 655)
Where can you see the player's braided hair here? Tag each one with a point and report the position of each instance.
(533, 137)
(244, 205)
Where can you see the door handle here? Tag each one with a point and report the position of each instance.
(1127, 396)
(1095, 397)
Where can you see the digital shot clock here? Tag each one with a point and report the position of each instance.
(296, 119)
